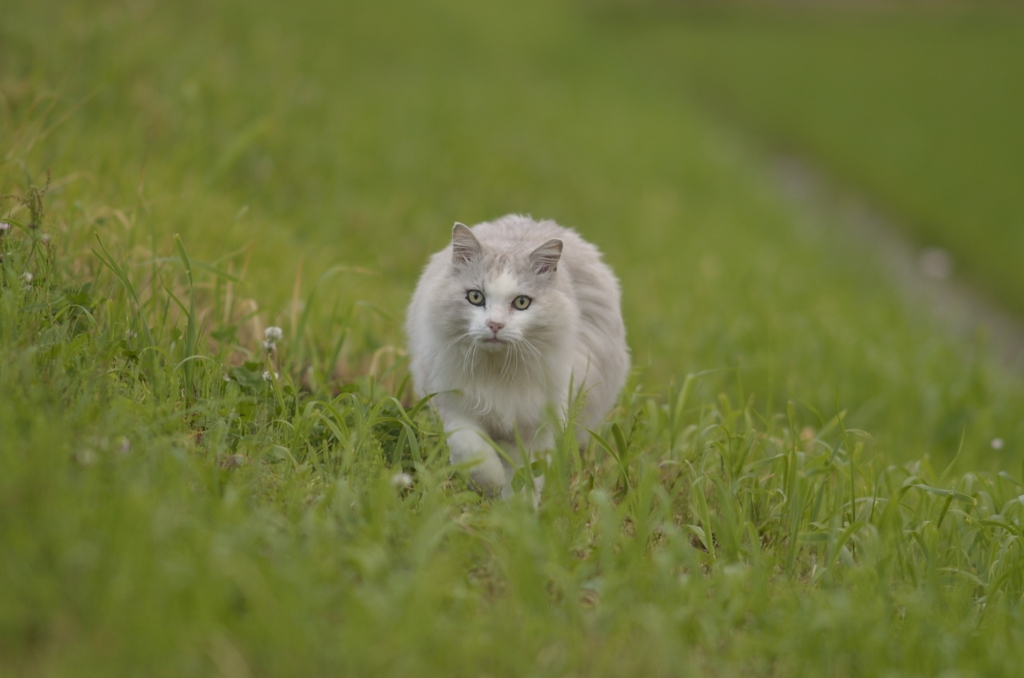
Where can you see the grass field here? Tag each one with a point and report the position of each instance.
(168, 506)
(917, 108)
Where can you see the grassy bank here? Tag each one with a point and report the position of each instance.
(177, 499)
(915, 107)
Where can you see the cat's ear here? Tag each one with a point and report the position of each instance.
(465, 246)
(544, 259)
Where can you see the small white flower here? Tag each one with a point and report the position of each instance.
(4, 227)
(269, 346)
(227, 378)
(997, 443)
(45, 237)
(85, 457)
(27, 277)
(266, 376)
(401, 480)
(273, 334)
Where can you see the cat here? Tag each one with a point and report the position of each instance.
(502, 321)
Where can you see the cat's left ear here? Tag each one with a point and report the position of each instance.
(544, 259)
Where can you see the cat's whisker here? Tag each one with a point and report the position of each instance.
(535, 352)
(518, 351)
(468, 359)
(456, 340)
(472, 359)
(509, 353)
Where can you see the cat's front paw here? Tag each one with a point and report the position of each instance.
(487, 473)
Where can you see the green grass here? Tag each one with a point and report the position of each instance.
(919, 109)
(166, 510)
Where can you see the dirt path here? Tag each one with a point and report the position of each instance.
(924, 276)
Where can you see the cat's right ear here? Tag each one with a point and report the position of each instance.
(465, 246)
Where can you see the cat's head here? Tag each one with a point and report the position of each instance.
(502, 293)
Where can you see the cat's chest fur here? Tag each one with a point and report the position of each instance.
(505, 392)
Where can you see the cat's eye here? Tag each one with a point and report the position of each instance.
(475, 297)
(522, 302)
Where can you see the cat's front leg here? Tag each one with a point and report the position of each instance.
(467, 443)
(541, 446)
(537, 446)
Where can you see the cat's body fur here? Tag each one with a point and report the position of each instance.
(501, 381)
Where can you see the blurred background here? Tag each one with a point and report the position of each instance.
(287, 138)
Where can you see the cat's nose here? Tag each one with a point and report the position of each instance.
(495, 325)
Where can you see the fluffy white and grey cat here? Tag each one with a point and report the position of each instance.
(502, 321)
